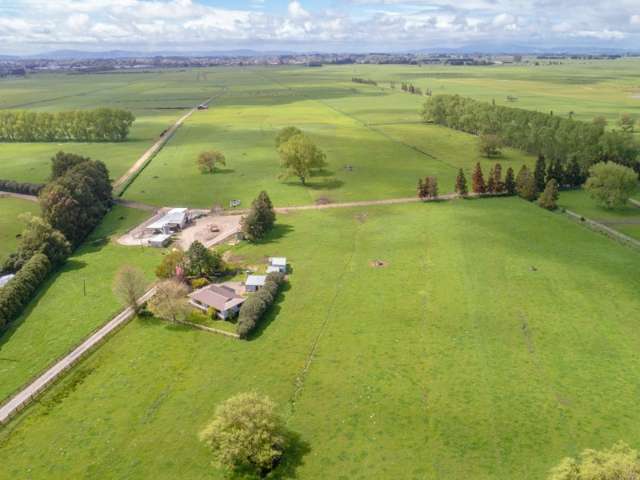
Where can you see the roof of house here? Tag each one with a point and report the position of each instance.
(272, 269)
(218, 296)
(256, 280)
(5, 279)
(173, 216)
(278, 261)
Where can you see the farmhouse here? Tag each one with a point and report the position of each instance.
(277, 264)
(160, 240)
(255, 282)
(224, 300)
(173, 221)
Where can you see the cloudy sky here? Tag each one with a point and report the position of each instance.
(30, 26)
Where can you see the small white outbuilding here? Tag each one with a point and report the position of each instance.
(255, 282)
(278, 262)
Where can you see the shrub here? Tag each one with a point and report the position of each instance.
(619, 462)
(197, 283)
(257, 304)
(23, 188)
(15, 295)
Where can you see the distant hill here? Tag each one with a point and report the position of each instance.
(119, 54)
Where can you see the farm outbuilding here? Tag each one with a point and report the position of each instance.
(5, 279)
(278, 263)
(255, 282)
(160, 240)
(173, 221)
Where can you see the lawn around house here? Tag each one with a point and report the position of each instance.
(61, 315)
(10, 225)
(487, 347)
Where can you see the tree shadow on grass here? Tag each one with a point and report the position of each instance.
(325, 184)
(278, 231)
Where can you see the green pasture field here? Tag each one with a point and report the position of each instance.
(156, 98)
(625, 219)
(496, 339)
(62, 314)
(10, 225)
(386, 159)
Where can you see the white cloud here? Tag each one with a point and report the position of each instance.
(352, 24)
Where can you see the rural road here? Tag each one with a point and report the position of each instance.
(31, 198)
(22, 398)
(156, 147)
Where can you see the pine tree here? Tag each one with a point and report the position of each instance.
(549, 197)
(461, 184)
(431, 187)
(497, 178)
(526, 184)
(574, 174)
(420, 188)
(491, 182)
(260, 218)
(477, 180)
(540, 174)
(510, 182)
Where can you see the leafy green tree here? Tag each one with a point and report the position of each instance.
(207, 161)
(477, 180)
(610, 184)
(300, 156)
(549, 198)
(526, 184)
(129, 285)
(540, 173)
(38, 237)
(260, 219)
(510, 182)
(247, 434)
(626, 123)
(286, 134)
(170, 301)
(600, 122)
(202, 262)
(62, 162)
(619, 462)
(172, 265)
(461, 184)
(490, 145)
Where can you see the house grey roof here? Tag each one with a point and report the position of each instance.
(256, 280)
(217, 296)
(175, 216)
(272, 269)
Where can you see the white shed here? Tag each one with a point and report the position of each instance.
(255, 282)
(280, 263)
(160, 240)
(5, 279)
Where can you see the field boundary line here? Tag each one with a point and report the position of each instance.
(603, 229)
(125, 180)
(26, 394)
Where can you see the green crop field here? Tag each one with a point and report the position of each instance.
(496, 339)
(10, 225)
(157, 99)
(73, 301)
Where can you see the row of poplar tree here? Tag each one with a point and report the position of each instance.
(99, 125)
(560, 140)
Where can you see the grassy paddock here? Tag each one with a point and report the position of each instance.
(62, 314)
(487, 347)
(10, 226)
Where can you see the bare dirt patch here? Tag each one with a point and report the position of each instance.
(361, 217)
(378, 264)
(323, 201)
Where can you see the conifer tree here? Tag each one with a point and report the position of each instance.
(491, 182)
(574, 174)
(461, 184)
(549, 197)
(510, 182)
(477, 180)
(541, 173)
(526, 184)
(497, 178)
(260, 218)
(420, 188)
